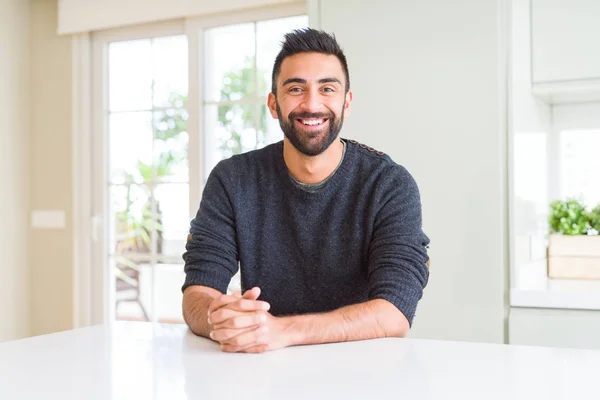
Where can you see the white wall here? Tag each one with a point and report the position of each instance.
(429, 90)
(14, 178)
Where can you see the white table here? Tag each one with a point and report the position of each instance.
(145, 361)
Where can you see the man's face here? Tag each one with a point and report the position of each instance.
(311, 101)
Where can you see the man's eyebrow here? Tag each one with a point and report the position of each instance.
(330, 80)
(303, 81)
(294, 80)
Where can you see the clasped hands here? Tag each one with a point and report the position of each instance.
(242, 323)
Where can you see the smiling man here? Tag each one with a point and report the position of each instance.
(326, 231)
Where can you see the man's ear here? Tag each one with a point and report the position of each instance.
(272, 104)
(347, 102)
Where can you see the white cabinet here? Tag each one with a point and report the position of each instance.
(565, 38)
(554, 328)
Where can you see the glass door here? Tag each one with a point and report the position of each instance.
(143, 195)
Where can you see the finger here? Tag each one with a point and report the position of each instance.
(245, 340)
(221, 315)
(252, 294)
(239, 306)
(223, 336)
(240, 321)
(224, 300)
(261, 348)
(251, 348)
(237, 309)
(221, 301)
(249, 305)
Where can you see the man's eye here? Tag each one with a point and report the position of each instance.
(295, 89)
(328, 89)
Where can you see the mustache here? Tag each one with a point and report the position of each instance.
(302, 115)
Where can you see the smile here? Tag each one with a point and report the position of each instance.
(312, 121)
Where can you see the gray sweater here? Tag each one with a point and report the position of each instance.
(356, 239)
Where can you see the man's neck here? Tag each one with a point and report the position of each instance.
(311, 170)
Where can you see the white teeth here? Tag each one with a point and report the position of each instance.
(312, 121)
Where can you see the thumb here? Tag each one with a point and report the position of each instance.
(252, 294)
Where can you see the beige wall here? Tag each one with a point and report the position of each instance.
(50, 187)
(14, 64)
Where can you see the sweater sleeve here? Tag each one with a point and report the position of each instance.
(211, 257)
(398, 258)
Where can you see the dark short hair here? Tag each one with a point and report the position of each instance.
(308, 40)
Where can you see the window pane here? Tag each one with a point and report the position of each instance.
(130, 232)
(130, 75)
(174, 219)
(170, 62)
(171, 146)
(130, 238)
(229, 62)
(530, 183)
(230, 130)
(130, 146)
(129, 289)
(269, 35)
(168, 281)
(580, 165)
(131, 224)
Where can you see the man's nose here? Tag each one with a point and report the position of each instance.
(312, 101)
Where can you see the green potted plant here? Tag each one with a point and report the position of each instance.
(573, 243)
(594, 218)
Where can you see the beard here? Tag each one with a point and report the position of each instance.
(311, 143)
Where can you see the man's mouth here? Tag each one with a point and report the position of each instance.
(312, 121)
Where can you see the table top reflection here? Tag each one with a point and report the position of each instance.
(128, 360)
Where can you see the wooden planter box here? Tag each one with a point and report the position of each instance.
(574, 257)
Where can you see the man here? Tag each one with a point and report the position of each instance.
(327, 232)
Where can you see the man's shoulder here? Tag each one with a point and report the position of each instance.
(366, 150)
(375, 158)
(367, 155)
(374, 162)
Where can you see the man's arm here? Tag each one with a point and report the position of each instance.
(196, 301)
(211, 252)
(370, 320)
(211, 256)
